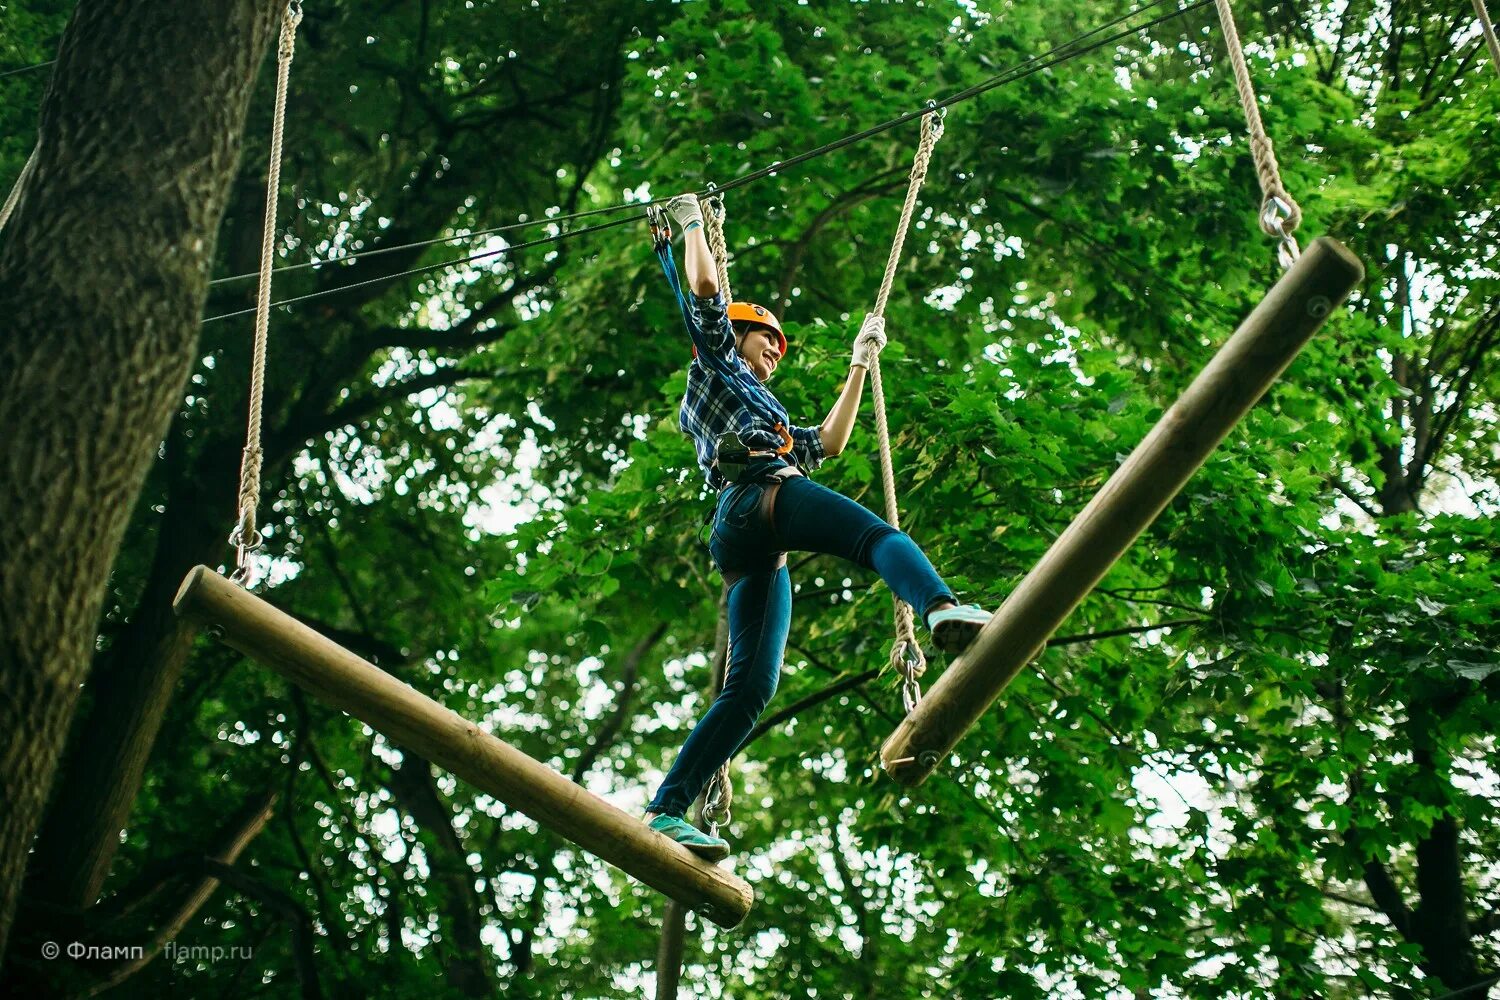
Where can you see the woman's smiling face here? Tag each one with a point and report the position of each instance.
(761, 349)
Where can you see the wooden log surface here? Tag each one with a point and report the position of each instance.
(1233, 381)
(406, 716)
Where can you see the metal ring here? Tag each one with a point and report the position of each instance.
(911, 694)
(1287, 251)
(1274, 215)
(237, 538)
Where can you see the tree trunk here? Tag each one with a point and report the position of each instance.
(131, 688)
(104, 267)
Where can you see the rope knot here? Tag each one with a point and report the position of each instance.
(289, 21)
(1279, 214)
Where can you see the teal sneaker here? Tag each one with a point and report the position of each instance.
(954, 628)
(689, 836)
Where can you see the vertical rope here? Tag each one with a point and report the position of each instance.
(1280, 214)
(906, 654)
(719, 795)
(246, 537)
(15, 191)
(713, 231)
(1484, 25)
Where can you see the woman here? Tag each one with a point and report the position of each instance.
(755, 457)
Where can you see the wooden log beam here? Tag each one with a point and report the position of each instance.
(339, 678)
(1234, 380)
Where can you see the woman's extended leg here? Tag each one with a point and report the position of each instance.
(760, 616)
(813, 518)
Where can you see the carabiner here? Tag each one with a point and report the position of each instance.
(661, 225)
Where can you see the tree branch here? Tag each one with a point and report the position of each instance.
(238, 836)
(1387, 896)
(871, 187)
(373, 401)
(810, 701)
(629, 670)
(1337, 482)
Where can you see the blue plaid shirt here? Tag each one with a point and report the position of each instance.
(710, 408)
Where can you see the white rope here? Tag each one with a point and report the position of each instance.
(1279, 213)
(906, 654)
(713, 232)
(719, 796)
(1484, 25)
(15, 191)
(246, 538)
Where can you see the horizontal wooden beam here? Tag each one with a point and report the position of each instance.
(406, 716)
(1234, 380)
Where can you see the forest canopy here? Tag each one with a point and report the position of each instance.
(1258, 761)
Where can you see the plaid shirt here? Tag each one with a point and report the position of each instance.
(710, 408)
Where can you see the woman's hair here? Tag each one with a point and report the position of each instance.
(744, 326)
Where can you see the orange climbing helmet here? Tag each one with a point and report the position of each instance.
(749, 312)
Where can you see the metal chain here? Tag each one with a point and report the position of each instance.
(716, 802)
(906, 653)
(1279, 213)
(246, 537)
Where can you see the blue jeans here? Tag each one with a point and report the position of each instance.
(807, 518)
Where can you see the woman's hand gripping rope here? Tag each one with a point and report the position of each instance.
(869, 342)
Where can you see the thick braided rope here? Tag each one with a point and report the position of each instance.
(250, 463)
(713, 231)
(1266, 167)
(1485, 26)
(15, 191)
(906, 655)
(719, 796)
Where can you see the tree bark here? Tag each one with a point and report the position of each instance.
(131, 688)
(104, 266)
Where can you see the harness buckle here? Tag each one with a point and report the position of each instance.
(731, 456)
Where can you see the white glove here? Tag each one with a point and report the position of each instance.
(870, 342)
(685, 209)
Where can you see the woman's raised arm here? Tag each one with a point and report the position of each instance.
(702, 274)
